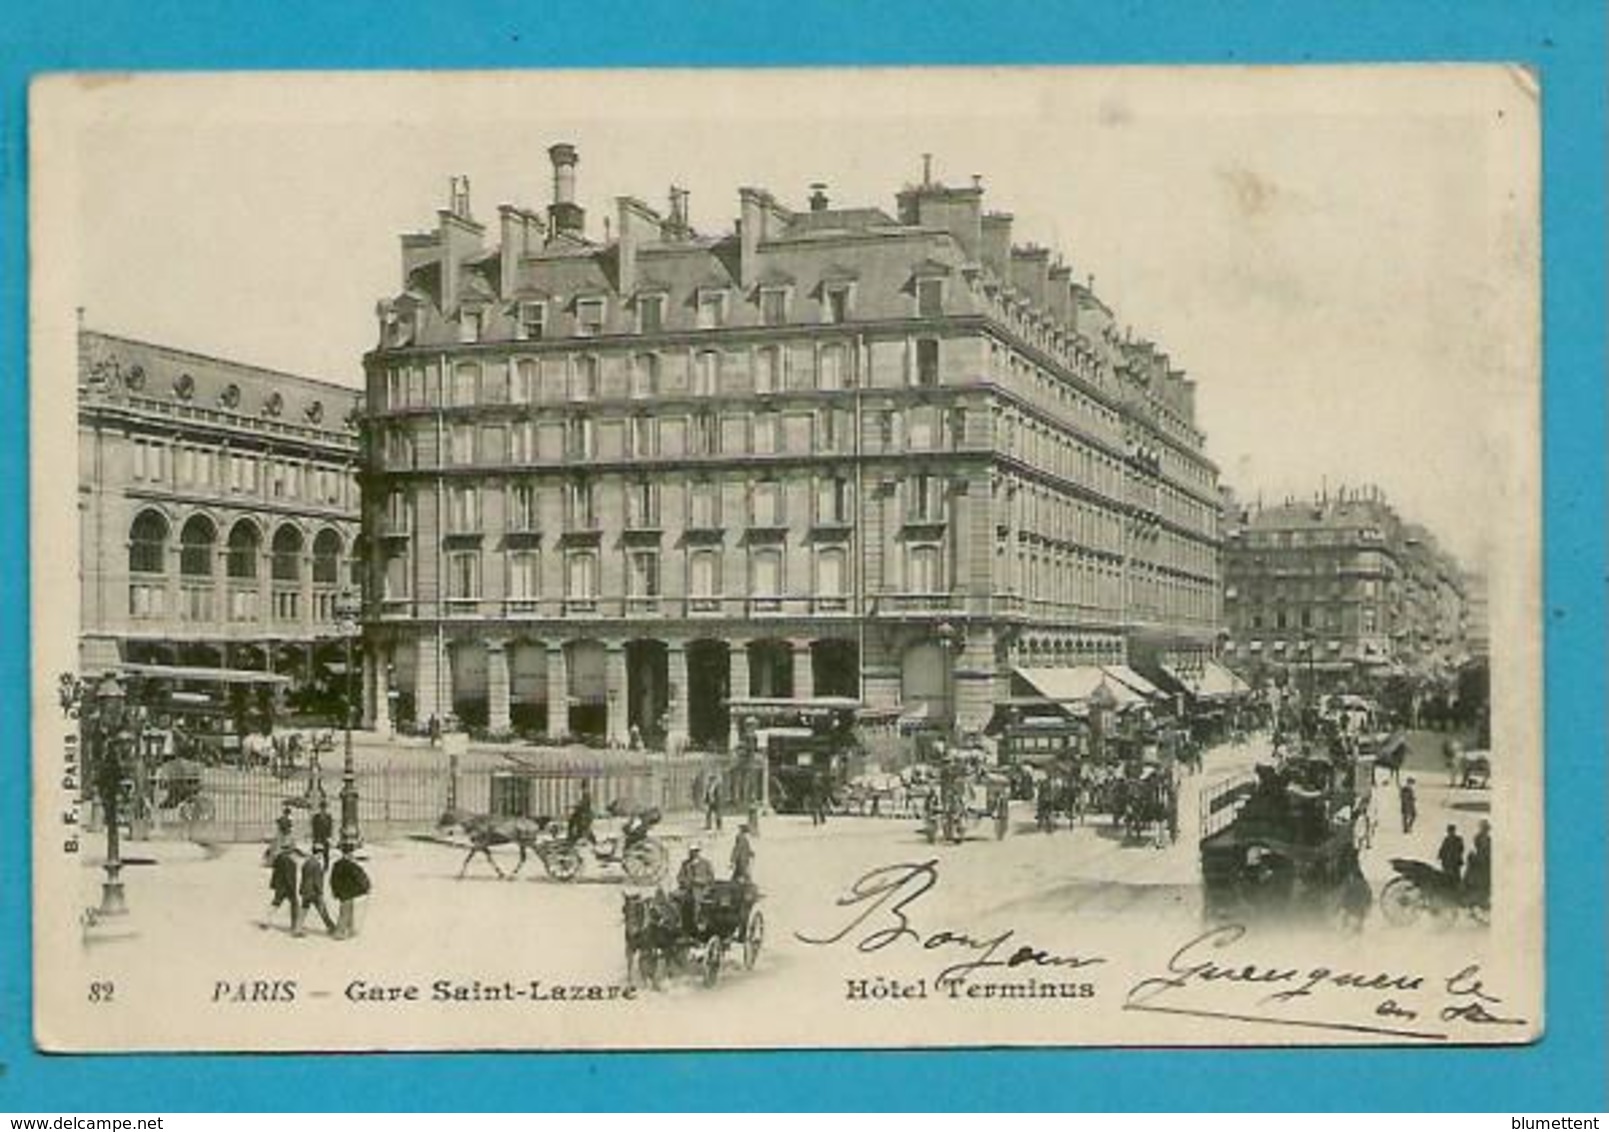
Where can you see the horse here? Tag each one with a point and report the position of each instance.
(652, 924)
(485, 832)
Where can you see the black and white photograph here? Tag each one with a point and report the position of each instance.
(792, 558)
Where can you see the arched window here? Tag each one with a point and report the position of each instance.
(196, 541)
(244, 545)
(830, 572)
(287, 554)
(148, 544)
(327, 558)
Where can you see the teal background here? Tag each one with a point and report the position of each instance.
(1564, 40)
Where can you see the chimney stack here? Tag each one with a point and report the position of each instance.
(565, 217)
(927, 169)
(818, 196)
(637, 222)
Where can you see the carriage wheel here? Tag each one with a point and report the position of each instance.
(1401, 902)
(753, 938)
(642, 864)
(712, 961)
(562, 863)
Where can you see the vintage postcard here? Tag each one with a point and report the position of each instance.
(821, 558)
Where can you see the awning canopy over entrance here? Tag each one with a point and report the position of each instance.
(204, 675)
(1078, 685)
(1211, 681)
(1132, 679)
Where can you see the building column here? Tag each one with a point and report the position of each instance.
(615, 688)
(427, 680)
(737, 684)
(382, 691)
(676, 669)
(446, 675)
(497, 686)
(558, 672)
(804, 671)
(974, 681)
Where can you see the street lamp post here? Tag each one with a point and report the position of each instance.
(348, 609)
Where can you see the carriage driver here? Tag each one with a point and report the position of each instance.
(693, 881)
(579, 826)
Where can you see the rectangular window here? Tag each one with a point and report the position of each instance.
(469, 325)
(650, 314)
(522, 507)
(764, 433)
(830, 573)
(774, 306)
(642, 505)
(460, 445)
(522, 442)
(920, 435)
(706, 373)
(832, 500)
(704, 574)
(704, 505)
(706, 433)
(493, 444)
(924, 498)
(765, 504)
(927, 361)
(768, 370)
(580, 438)
(642, 574)
(533, 321)
(524, 575)
(711, 310)
(925, 573)
(588, 317)
(767, 574)
(527, 381)
(643, 437)
(645, 375)
(830, 370)
(581, 576)
(466, 384)
(827, 436)
(463, 575)
(463, 515)
(579, 506)
(584, 378)
(929, 298)
(398, 513)
(836, 307)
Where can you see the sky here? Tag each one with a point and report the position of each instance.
(1344, 260)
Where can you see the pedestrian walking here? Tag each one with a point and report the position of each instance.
(712, 800)
(743, 856)
(820, 793)
(282, 883)
(1451, 856)
(312, 891)
(285, 826)
(1410, 805)
(348, 883)
(323, 831)
(1478, 868)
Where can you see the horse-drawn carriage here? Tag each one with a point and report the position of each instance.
(692, 930)
(962, 795)
(1284, 840)
(180, 792)
(1420, 888)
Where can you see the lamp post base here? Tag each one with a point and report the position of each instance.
(113, 902)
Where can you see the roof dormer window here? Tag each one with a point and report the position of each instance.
(651, 313)
(589, 317)
(470, 322)
(774, 305)
(711, 308)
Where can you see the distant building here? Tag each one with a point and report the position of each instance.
(618, 486)
(1339, 585)
(219, 511)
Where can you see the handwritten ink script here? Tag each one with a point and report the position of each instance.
(882, 908)
(1215, 975)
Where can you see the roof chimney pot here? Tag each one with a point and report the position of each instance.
(818, 196)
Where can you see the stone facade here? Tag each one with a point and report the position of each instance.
(837, 452)
(218, 505)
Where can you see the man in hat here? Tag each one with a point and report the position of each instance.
(693, 881)
(282, 883)
(312, 891)
(323, 830)
(1451, 856)
(348, 882)
(743, 856)
(1410, 806)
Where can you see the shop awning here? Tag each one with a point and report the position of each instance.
(1078, 684)
(1210, 681)
(204, 675)
(1125, 675)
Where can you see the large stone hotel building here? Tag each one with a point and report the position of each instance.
(839, 452)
